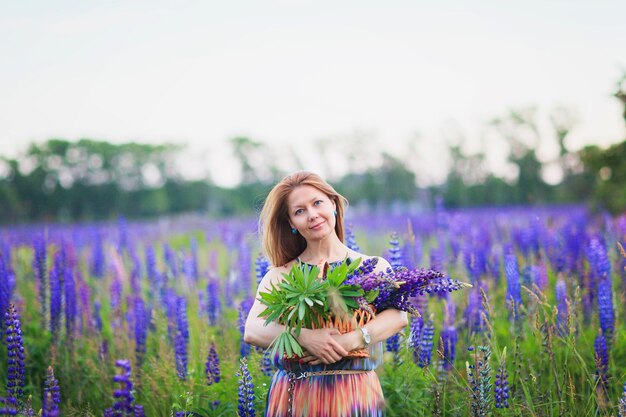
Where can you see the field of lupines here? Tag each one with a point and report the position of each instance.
(132, 319)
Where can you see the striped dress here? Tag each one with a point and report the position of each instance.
(348, 395)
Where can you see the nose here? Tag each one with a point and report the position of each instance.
(313, 214)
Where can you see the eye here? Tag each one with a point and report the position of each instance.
(318, 202)
(298, 211)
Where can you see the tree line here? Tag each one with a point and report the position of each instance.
(62, 180)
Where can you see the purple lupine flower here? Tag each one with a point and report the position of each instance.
(426, 344)
(85, 304)
(135, 272)
(5, 287)
(412, 251)
(181, 317)
(7, 407)
(474, 311)
(51, 396)
(70, 302)
(541, 279)
(351, 241)
(601, 268)
(501, 387)
(195, 274)
(529, 275)
(141, 329)
(139, 411)
(602, 361)
(15, 355)
(365, 268)
(395, 253)
(122, 228)
(397, 289)
(123, 406)
(245, 407)
(392, 344)
(55, 296)
(266, 362)
(39, 268)
(562, 307)
(244, 267)
(97, 255)
(170, 260)
(151, 265)
(437, 257)
(214, 303)
(415, 335)
(493, 264)
(513, 289)
(115, 300)
(471, 262)
(180, 349)
(262, 265)
(212, 366)
(449, 337)
(170, 301)
(244, 309)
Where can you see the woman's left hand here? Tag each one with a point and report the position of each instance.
(349, 341)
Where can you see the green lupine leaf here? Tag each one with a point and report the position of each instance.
(370, 296)
(287, 344)
(295, 346)
(301, 310)
(308, 301)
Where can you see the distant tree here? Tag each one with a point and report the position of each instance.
(609, 170)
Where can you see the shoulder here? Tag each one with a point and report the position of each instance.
(275, 275)
(381, 266)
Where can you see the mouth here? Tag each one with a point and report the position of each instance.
(317, 226)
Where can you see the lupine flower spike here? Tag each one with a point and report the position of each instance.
(123, 406)
(501, 388)
(15, 361)
(212, 366)
(246, 391)
(51, 396)
(479, 374)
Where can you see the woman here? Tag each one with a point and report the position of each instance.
(302, 221)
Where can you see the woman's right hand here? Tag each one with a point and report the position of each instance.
(321, 346)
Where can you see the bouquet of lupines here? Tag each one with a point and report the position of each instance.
(311, 298)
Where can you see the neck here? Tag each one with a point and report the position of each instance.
(328, 249)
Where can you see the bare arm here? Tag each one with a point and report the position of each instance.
(255, 332)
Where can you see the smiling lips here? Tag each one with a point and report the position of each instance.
(317, 226)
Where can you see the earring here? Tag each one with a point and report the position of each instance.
(294, 231)
(335, 213)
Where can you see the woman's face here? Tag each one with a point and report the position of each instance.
(311, 212)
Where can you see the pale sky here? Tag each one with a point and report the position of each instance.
(289, 72)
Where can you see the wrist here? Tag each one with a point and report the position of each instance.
(365, 337)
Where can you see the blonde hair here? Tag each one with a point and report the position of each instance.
(280, 245)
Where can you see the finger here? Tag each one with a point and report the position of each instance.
(339, 349)
(334, 331)
(307, 359)
(315, 362)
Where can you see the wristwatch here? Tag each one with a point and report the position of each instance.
(366, 336)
